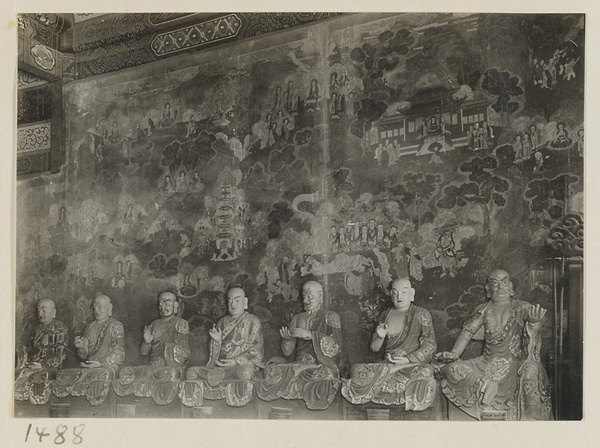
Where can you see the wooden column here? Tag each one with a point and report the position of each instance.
(567, 239)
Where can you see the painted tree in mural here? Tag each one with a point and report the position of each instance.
(188, 154)
(506, 86)
(374, 61)
(483, 188)
(447, 54)
(414, 192)
(548, 199)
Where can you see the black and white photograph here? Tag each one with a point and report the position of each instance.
(306, 216)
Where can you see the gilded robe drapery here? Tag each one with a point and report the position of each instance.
(411, 384)
(510, 368)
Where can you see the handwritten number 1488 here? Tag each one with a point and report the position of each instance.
(60, 437)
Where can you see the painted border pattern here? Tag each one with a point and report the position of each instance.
(34, 137)
(196, 35)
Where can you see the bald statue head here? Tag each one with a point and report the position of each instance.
(312, 294)
(46, 311)
(237, 302)
(167, 304)
(499, 287)
(102, 307)
(403, 294)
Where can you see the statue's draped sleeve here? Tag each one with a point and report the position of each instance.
(427, 344)
(327, 338)
(474, 322)
(117, 345)
(177, 350)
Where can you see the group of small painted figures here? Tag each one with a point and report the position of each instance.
(508, 378)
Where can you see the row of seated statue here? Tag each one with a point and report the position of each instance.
(507, 378)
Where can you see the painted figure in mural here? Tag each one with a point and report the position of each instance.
(471, 138)
(197, 184)
(190, 127)
(102, 341)
(518, 148)
(405, 332)
(168, 185)
(561, 137)
(312, 100)
(477, 137)
(372, 233)
(526, 139)
(487, 136)
(292, 100)
(333, 105)
(118, 280)
(315, 337)
(166, 339)
(534, 137)
(45, 353)
(236, 352)
(433, 124)
(115, 136)
(415, 263)
(508, 381)
(167, 117)
(580, 143)
(539, 162)
(445, 252)
(378, 153)
(277, 98)
(182, 182)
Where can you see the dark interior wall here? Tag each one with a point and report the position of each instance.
(242, 164)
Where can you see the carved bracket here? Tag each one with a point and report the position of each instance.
(567, 237)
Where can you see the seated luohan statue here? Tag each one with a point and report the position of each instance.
(236, 351)
(165, 340)
(101, 350)
(315, 336)
(508, 381)
(44, 355)
(405, 332)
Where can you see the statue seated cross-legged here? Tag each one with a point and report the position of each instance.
(315, 336)
(101, 350)
(508, 381)
(166, 343)
(405, 377)
(43, 357)
(236, 352)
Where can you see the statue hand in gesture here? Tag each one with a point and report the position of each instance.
(215, 333)
(81, 343)
(285, 333)
(382, 330)
(91, 364)
(446, 356)
(225, 362)
(536, 314)
(301, 333)
(397, 359)
(148, 335)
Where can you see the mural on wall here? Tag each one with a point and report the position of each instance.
(404, 146)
